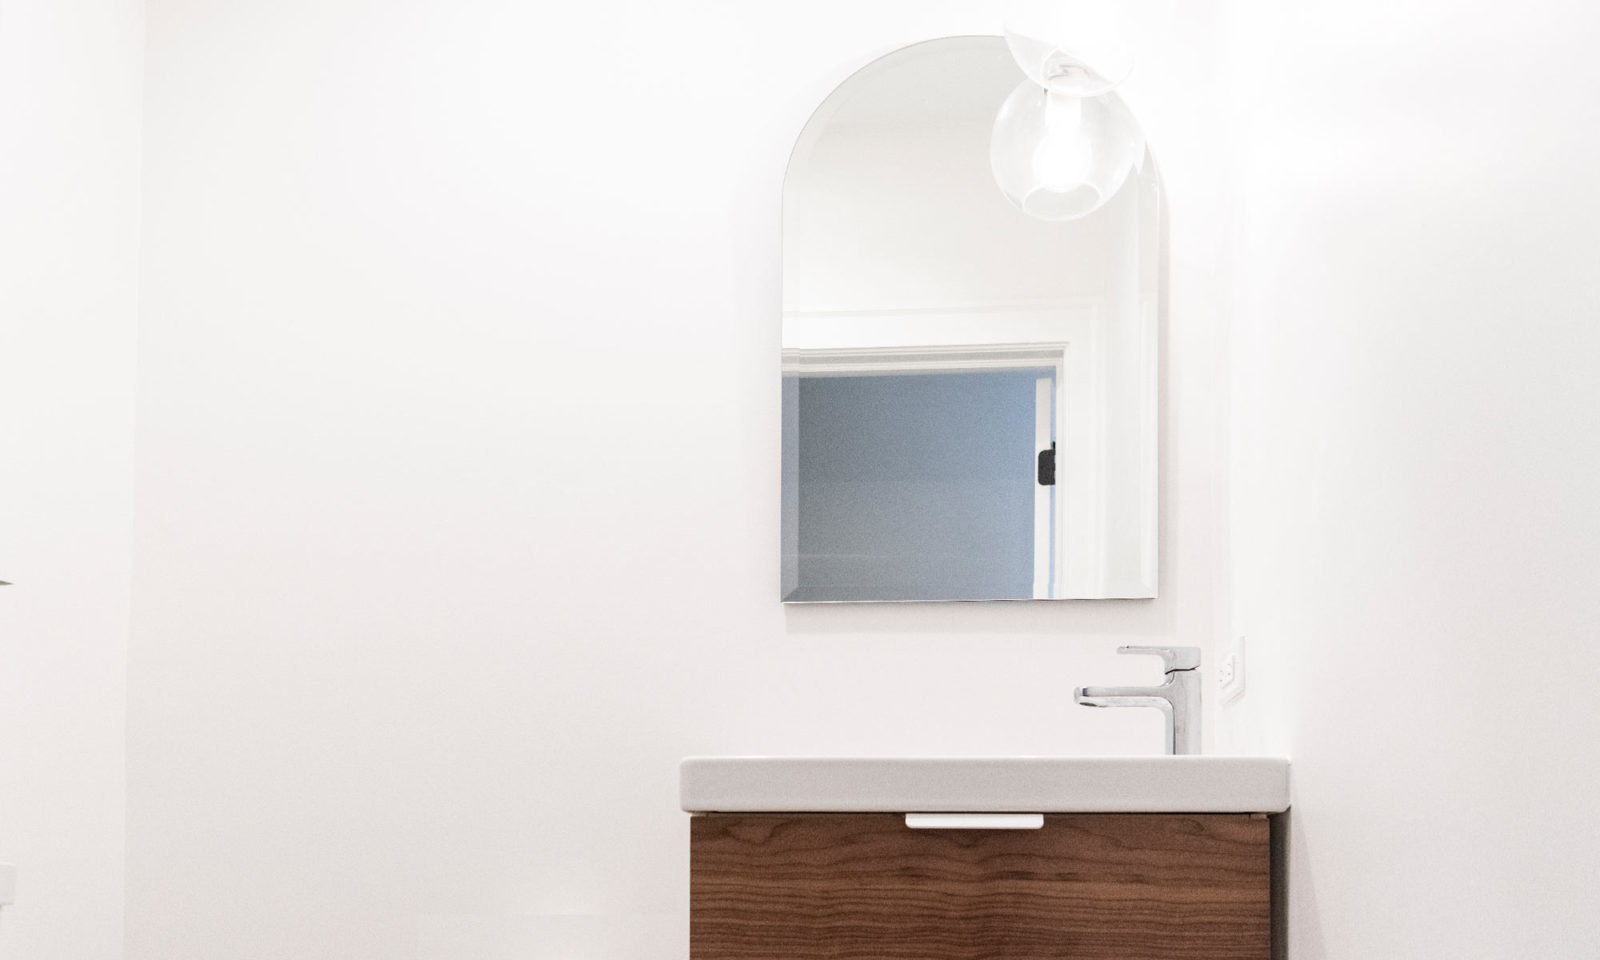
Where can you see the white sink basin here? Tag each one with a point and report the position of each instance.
(1195, 784)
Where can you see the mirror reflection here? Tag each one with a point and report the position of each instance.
(969, 402)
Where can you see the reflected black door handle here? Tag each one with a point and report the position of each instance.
(1047, 466)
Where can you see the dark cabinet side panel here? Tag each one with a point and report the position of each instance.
(1086, 887)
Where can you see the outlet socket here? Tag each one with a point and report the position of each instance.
(1230, 672)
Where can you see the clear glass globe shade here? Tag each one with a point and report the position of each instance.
(1058, 157)
(1075, 47)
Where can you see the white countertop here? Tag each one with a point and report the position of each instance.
(1192, 784)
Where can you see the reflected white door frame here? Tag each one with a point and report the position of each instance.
(888, 361)
(1043, 496)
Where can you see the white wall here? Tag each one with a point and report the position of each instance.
(892, 216)
(459, 469)
(1417, 538)
(70, 75)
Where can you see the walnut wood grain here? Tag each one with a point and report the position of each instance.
(1086, 887)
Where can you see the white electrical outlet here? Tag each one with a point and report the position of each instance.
(1230, 672)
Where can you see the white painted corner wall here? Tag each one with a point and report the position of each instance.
(71, 73)
(426, 608)
(1416, 533)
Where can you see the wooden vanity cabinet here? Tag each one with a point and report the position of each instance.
(1124, 886)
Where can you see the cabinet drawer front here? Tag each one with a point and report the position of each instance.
(1085, 886)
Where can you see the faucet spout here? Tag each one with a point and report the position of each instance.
(1086, 695)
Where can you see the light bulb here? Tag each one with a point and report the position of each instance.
(1064, 156)
(1060, 157)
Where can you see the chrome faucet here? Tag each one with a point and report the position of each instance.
(1178, 699)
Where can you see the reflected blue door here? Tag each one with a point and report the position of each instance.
(911, 487)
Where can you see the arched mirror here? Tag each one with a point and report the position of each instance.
(969, 391)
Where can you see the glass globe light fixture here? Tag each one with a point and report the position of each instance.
(1061, 157)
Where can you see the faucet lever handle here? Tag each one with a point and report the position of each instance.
(1172, 658)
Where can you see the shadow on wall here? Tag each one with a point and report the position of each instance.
(1291, 886)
